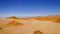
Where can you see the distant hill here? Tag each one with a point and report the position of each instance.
(12, 17)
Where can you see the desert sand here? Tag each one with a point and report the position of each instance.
(17, 26)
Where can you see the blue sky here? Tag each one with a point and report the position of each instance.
(29, 7)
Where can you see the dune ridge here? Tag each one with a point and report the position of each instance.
(55, 18)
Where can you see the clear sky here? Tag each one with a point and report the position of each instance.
(29, 7)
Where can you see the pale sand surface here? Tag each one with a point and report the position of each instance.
(29, 27)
